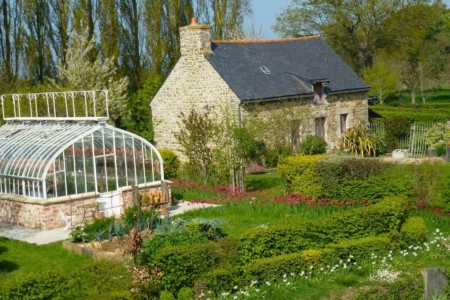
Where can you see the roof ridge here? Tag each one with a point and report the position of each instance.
(254, 41)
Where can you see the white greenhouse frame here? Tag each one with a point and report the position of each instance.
(48, 156)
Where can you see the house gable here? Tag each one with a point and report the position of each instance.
(192, 84)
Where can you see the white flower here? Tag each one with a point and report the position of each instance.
(268, 283)
(284, 275)
(225, 294)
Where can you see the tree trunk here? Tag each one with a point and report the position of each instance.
(413, 97)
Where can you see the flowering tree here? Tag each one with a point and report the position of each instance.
(81, 72)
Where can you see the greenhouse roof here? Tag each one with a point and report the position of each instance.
(27, 149)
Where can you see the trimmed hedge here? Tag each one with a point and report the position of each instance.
(273, 268)
(181, 266)
(365, 179)
(414, 231)
(383, 217)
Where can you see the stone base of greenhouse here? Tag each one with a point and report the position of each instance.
(46, 213)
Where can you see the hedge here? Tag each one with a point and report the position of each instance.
(366, 179)
(414, 231)
(273, 268)
(181, 266)
(383, 217)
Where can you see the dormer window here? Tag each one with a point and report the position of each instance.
(265, 70)
(319, 93)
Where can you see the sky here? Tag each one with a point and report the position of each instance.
(265, 14)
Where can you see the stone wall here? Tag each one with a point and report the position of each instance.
(353, 104)
(192, 84)
(45, 214)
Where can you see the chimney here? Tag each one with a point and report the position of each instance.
(195, 39)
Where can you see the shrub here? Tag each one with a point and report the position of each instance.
(254, 168)
(181, 266)
(134, 217)
(396, 128)
(383, 217)
(171, 163)
(270, 241)
(414, 231)
(293, 166)
(312, 144)
(359, 141)
(273, 268)
(361, 248)
(437, 138)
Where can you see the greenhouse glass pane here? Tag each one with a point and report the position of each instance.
(89, 165)
(139, 161)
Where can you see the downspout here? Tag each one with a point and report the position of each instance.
(239, 113)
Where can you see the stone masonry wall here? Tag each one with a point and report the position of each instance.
(45, 214)
(192, 84)
(353, 104)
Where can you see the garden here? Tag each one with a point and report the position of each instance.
(349, 225)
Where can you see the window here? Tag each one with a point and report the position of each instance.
(343, 122)
(319, 94)
(319, 125)
(265, 70)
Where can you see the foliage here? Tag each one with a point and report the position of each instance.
(181, 232)
(437, 137)
(271, 241)
(382, 80)
(396, 128)
(273, 268)
(139, 119)
(312, 144)
(97, 279)
(94, 231)
(196, 137)
(293, 166)
(181, 266)
(78, 70)
(171, 163)
(359, 141)
(135, 217)
(414, 231)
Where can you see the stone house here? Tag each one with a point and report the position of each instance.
(304, 73)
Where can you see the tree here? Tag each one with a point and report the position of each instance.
(225, 16)
(11, 40)
(404, 40)
(80, 73)
(61, 20)
(38, 57)
(382, 79)
(352, 28)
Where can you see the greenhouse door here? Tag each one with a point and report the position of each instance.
(109, 203)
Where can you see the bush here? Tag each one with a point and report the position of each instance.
(396, 128)
(273, 268)
(294, 166)
(362, 248)
(414, 231)
(271, 241)
(383, 217)
(359, 141)
(171, 163)
(312, 144)
(182, 266)
(134, 217)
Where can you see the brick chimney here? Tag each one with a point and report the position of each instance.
(195, 39)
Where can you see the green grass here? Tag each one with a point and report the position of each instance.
(18, 257)
(266, 181)
(435, 109)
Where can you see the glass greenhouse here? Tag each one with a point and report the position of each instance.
(59, 147)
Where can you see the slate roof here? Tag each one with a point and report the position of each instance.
(294, 64)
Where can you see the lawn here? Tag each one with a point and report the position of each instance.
(435, 109)
(18, 257)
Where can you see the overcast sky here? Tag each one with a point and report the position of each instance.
(265, 13)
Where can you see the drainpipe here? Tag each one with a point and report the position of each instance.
(239, 113)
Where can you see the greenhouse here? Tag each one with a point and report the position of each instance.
(59, 144)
